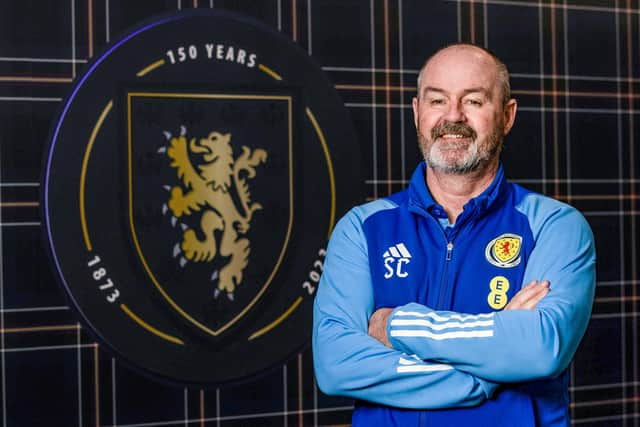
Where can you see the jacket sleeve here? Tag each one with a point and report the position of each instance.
(349, 362)
(516, 345)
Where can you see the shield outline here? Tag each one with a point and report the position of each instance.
(154, 280)
(492, 257)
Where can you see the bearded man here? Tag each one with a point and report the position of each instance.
(461, 300)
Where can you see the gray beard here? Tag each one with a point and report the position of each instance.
(474, 159)
(470, 163)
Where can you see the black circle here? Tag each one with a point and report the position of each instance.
(117, 243)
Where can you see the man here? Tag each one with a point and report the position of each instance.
(391, 323)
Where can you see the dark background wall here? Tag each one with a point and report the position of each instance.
(574, 66)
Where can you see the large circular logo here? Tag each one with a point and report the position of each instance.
(194, 174)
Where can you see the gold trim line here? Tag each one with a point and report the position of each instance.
(276, 322)
(83, 172)
(204, 96)
(327, 155)
(150, 68)
(150, 328)
(270, 71)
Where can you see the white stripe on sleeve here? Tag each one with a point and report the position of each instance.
(440, 326)
(423, 368)
(439, 318)
(442, 336)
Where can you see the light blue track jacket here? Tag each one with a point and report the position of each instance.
(458, 359)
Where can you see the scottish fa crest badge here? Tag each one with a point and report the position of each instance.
(193, 177)
(504, 251)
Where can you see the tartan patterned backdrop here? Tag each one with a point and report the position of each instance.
(575, 72)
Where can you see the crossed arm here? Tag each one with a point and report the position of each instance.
(526, 299)
(540, 330)
(349, 362)
(541, 340)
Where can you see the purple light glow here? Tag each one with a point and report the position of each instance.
(59, 124)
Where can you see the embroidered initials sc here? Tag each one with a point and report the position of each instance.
(395, 258)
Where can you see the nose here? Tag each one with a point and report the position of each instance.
(454, 113)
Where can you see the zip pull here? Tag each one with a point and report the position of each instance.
(449, 250)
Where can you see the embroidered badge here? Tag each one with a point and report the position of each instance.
(504, 250)
(398, 255)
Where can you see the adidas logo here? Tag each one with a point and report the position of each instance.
(397, 251)
(395, 258)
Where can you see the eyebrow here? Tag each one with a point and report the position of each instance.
(479, 89)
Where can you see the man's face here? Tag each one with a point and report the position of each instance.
(459, 115)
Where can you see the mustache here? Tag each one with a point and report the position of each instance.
(453, 128)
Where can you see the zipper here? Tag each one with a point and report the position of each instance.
(449, 238)
(462, 225)
(443, 282)
(449, 250)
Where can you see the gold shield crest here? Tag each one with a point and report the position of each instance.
(210, 213)
(504, 250)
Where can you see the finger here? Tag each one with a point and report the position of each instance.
(529, 288)
(532, 302)
(533, 291)
(527, 292)
(378, 325)
(532, 297)
(373, 323)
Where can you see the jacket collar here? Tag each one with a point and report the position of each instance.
(421, 201)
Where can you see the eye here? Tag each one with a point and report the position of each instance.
(474, 102)
(436, 101)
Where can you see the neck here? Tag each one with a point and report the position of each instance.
(453, 191)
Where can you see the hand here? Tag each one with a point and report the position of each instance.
(529, 296)
(378, 325)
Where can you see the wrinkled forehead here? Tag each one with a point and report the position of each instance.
(460, 68)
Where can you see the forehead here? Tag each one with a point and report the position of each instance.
(457, 69)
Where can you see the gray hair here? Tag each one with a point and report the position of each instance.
(501, 70)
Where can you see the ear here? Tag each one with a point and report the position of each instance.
(510, 115)
(414, 104)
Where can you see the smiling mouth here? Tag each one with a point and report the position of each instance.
(452, 131)
(454, 136)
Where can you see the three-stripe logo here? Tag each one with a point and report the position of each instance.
(395, 258)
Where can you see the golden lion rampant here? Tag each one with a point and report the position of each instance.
(208, 189)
